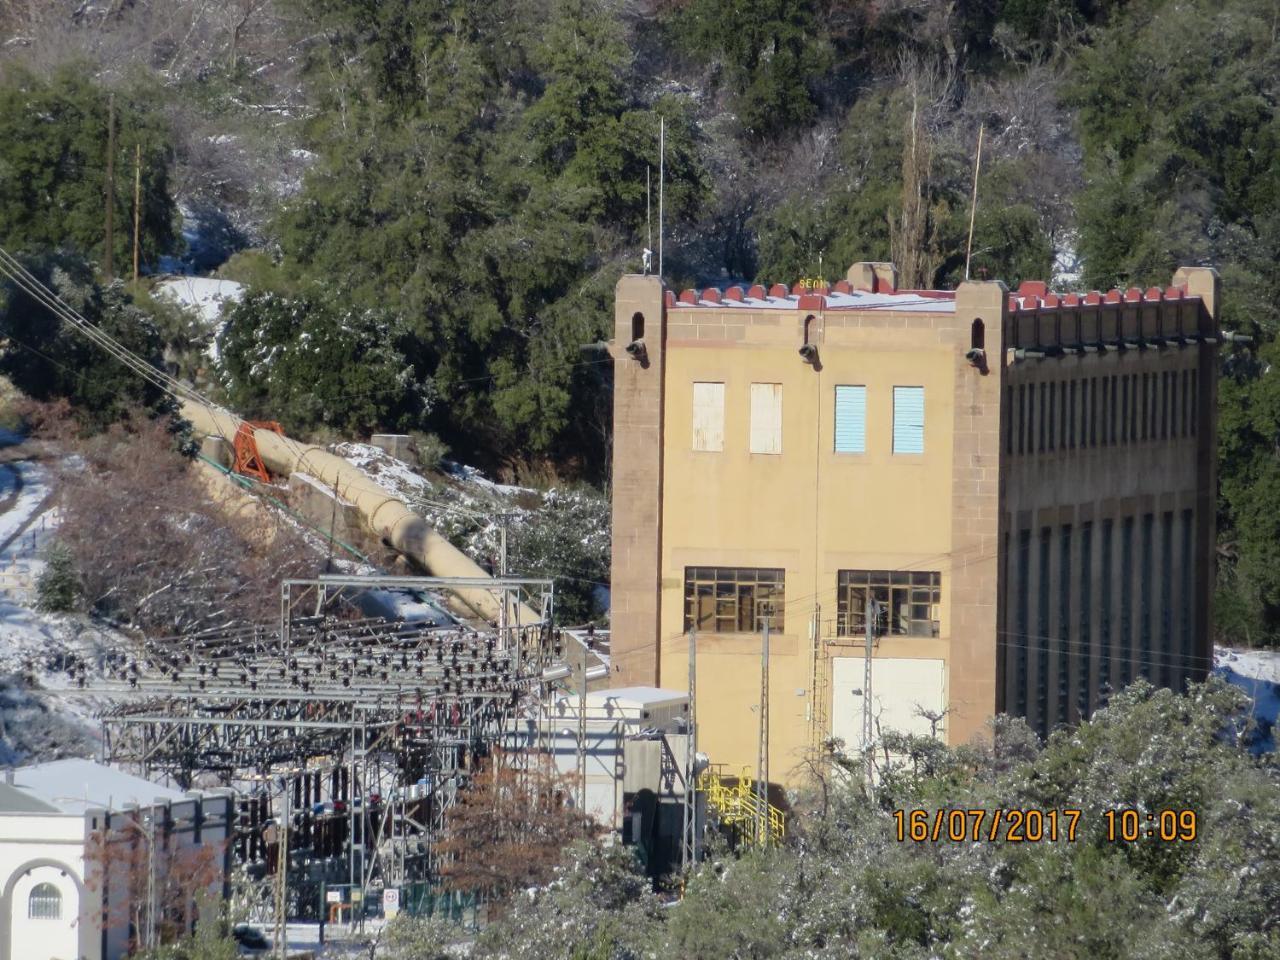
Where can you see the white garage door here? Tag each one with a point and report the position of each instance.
(900, 689)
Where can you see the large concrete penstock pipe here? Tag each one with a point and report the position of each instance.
(386, 515)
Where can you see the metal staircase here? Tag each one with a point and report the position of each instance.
(735, 804)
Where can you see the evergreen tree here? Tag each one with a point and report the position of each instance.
(47, 359)
(308, 363)
(58, 589)
(53, 159)
(482, 183)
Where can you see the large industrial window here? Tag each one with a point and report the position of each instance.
(1164, 405)
(1064, 619)
(1106, 411)
(1042, 631)
(1146, 576)
(44, 902)
(1126, 601)
(1093, 412)
(766, 418)
(1124, 408)
(1053, 419)
(851, 419)
(1104, 605)
(1181, 412)
(909, 602)
(1144, 407)
(1044, 429)
(1188, 585)
(1026, 440)
(1166, 643)
(732, 599)
(1192, 397)
(1074, 415)
(908, 419)
(1112, 411)
(1022, 620)
(1187, 413)
(1086, 622)
(1007, 420)
(708, 416)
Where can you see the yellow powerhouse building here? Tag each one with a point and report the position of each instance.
(1022, 483)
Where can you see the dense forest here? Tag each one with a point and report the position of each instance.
(429, 201)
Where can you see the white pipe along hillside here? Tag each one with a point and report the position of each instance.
(386, 515)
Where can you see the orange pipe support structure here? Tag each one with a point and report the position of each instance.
(386, 515)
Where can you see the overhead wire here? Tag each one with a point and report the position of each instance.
(12, 268)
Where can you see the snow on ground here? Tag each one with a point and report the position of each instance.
(37, 649)
(206, 295)
(1257, 673)
(409, 605)
(32, 483)
(41, 722)
(466, 474)
(396, 475)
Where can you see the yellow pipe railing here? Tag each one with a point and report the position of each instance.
(737, 805)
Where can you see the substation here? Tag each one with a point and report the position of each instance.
(347, 739)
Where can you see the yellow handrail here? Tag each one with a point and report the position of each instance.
(739, 806)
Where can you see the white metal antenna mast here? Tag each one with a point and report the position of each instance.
(662, 176)
(973, 206)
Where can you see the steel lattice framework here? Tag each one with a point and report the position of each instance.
(351, 737)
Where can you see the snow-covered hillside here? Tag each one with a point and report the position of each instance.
(1257, 673)
(563, 532)
(40, 717)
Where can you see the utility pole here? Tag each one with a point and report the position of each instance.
(582, 728)
(282, 871)
(689, 849)
(873, 612)
(973, 206)
(662, 178)
(137, 208)
(503, 639)
(151, 879)
(762, 761)
(108, 260)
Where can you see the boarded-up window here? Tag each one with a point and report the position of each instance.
(766, 418)
(851, 419)
(708, 416)
(908, 419)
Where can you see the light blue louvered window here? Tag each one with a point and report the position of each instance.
(908, 419)
(851, 419)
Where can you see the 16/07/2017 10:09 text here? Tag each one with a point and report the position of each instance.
(1034, 826)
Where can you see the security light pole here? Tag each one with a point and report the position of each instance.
(762, 761)
(689, 849)
(873, 611)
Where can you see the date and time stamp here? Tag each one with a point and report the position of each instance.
(960, 825)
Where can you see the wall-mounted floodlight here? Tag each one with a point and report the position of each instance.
(809, 353)
(637, 352)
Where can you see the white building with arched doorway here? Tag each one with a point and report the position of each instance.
(61, 823)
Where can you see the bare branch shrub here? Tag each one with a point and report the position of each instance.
(151, 549)
(510, 827)
(155, 885)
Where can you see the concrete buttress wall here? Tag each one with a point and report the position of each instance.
(637, 480)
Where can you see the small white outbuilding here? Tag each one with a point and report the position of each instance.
(70, 831)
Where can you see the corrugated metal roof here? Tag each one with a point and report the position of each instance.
(73, 786)
(13, 800)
